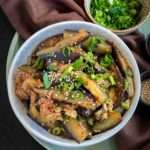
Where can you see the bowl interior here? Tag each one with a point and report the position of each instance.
(26, 50)
(143, 16)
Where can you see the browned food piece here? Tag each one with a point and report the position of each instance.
(117, 91)
(69, 110)
(27, 69)
(50, 42)
(80, 36)
(41, 92)
(113, 95)
(19, 78)
(68, 34)
(23, 91)
(92, 87)
(85, 103)
(113, 119)
(103, 48)
(31, 83)
(49, 112)
(34, 113)
(77, 129)
(25, 82)
(123, 65)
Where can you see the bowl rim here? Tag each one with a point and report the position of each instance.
(88, 142)
(117, 31)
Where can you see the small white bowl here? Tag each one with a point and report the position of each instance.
(26, 50)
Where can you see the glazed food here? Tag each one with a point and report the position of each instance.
(76, 85)
(116, 14)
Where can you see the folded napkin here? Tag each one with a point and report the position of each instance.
(28, 16)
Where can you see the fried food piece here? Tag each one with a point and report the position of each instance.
(77, 129)
(85, 103)
(113, 119)
(92, 87)
(77, 38)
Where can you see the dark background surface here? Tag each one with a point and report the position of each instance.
(12, 135)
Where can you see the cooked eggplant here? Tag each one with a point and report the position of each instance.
(86, 103)
(32, 108)
(123, 65)
(113, 119)
(79, 37)
(28, 69)
(127, 78)
(40, 92)
(119, 89)
(103, 48)
(77, 129)
(69, 34)
(92, 87)
(85, 112)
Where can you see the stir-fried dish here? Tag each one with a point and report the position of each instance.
(76, 85)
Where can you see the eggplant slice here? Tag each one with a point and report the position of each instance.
(77, 129)
(70, 41)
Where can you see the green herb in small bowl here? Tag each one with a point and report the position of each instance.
(120, 16)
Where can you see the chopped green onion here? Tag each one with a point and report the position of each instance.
(126, 84)
(56, 130)
(106, 61)
(115, 14)
(67, 51)
(78, 83)
(89, 57)
(77, 95)
(93, 76)
(47, 83)
(91, 42)
(38, 64)
(67, 71)
(89, 69)
(77, 64)
(126, 105)
(112, 80)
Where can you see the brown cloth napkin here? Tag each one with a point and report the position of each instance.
(28, 16)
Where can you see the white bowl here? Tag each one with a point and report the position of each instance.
(26, 50)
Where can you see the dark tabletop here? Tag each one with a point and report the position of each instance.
(12, 135)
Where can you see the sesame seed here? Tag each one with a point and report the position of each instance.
(145, 94)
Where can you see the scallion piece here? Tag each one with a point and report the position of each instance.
(47, 83)
(106, 61)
